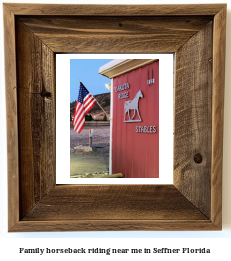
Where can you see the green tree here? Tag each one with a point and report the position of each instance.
(88, 118)
(105, 117)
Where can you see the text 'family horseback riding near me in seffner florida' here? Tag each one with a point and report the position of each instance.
(109, 251)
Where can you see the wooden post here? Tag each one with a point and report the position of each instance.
(90, 138)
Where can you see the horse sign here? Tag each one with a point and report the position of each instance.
(133, 105)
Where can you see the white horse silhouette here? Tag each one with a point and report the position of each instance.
(133, 105)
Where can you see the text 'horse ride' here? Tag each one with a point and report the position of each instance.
(133, 105)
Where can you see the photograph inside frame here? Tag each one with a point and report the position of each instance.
(115, 121)
(135, 119)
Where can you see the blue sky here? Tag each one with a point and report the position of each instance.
(86, 70)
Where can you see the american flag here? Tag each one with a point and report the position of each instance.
(83, 105)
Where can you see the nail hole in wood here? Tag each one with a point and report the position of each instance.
(46, 94)
(198, 158)
(120, 24)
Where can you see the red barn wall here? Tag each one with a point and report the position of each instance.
(136, 154)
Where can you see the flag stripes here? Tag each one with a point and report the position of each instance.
(83, 105)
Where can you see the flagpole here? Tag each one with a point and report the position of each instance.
(101, 107)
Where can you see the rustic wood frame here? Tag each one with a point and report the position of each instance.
(33, 34)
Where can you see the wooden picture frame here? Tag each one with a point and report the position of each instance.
(33, 34)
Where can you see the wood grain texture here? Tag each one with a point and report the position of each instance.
(36, 107)
(113, 202)
(114, 207)
(31, 114)
(114, 10)
(193, 126)
(114, 34)
(12, 122)
(218, 115)
(114, 225)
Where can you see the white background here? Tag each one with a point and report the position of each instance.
(165, 121)
(218, 241)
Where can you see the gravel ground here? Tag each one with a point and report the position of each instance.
(96, 162)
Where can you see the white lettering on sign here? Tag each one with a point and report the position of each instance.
(146, 129)
(122, 87)
(123, 95)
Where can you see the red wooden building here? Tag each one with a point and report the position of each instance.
(134, 117)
